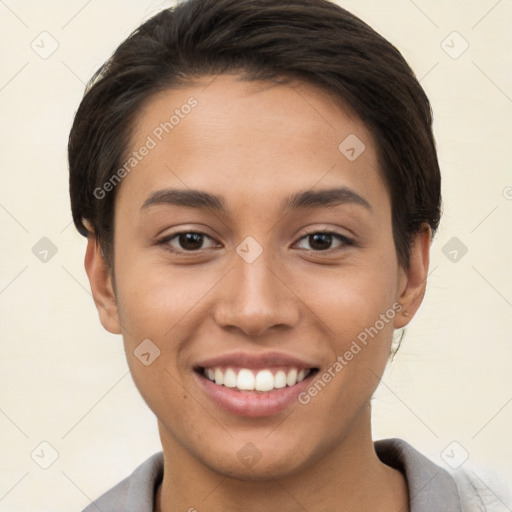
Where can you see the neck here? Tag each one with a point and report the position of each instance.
(348, 478)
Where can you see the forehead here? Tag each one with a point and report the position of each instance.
(236, 136)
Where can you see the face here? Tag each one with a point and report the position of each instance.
(252, 250)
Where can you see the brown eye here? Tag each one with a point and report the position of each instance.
(320, 241)
(323, 241)
(190, 241)
(187, 241)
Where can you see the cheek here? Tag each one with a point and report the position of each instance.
(154, 299)
(350, 300)
(153, 309)
(166, 307)
(356, 308)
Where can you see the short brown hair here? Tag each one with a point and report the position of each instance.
(312, 40)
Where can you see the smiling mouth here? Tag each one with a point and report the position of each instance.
(261, 380)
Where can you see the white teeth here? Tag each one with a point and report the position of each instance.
(218, 377)
(245, 380)
(230, 378)
(262, 380)
(291, 378)
(280, 379)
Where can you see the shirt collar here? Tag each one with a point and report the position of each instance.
(431, 488)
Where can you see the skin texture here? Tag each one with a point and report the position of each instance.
(255, 144)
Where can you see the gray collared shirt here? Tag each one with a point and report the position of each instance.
(431, 488)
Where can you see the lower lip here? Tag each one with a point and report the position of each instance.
(252, 404)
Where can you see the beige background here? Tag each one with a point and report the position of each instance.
(64, 380)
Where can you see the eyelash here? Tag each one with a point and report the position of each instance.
(345, 241)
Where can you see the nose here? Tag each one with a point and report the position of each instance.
(255, 297)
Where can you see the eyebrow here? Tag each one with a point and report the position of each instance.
(188, 198)
(304, 199)
(326, 197)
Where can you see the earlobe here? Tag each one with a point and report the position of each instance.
(101, 286)
(412, 289)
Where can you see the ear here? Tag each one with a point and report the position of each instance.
(101, 286)
(413, 280)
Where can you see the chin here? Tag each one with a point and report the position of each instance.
(265, 469)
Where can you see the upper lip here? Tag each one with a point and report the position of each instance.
(248, 360)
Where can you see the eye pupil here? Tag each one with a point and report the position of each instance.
(319, 241)
(191, 241)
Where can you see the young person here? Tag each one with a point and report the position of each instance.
(259, 186)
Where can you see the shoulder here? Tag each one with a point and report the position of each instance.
(134, 493)
(432, 488)
(482, 490)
